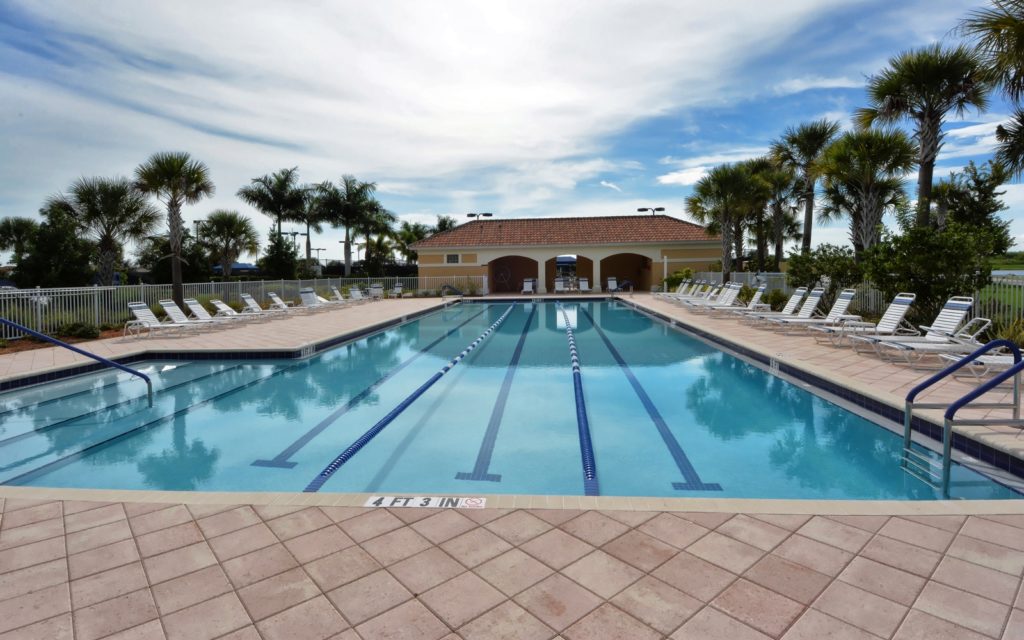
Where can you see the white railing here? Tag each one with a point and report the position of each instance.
(50, 310)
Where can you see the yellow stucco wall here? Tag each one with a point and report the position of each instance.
(430, 258)
(450, 270)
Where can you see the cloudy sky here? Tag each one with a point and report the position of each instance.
(521, 108)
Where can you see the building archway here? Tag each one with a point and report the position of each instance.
(627, 268)
(506, 274)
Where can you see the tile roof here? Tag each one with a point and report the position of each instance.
(568, 231)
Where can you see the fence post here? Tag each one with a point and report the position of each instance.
(96, 305)
(39, 310)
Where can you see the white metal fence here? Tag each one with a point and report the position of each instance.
(1003, 299)
(50, 310)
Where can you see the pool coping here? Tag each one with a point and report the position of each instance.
(305, 350)
(853, 392)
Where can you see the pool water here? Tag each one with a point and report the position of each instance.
(667, 415)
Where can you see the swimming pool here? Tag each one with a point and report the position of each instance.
(650, 411)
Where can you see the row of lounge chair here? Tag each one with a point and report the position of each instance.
(892, 338)
(145, 322)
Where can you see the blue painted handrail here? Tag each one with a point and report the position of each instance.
(101, 359)
(966, 360)
(1003, 376)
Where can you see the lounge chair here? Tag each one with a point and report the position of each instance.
(946, 326)
(279, 305)
(560, 286)
(341, 298)
(252, 307)
(312, 301)
(376, 291)
(199, 312)
(178, 316)
(146, 320)
(709, 294)
(613, 284)
(396, 292)
(584, 285)
(680, 290)
(753, 305)
(834, 316)
(787, 310)
(528, 286)
(981, 366)
(224, 311)
(727, 297)
(893, 322)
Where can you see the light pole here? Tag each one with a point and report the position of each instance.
(479, 215)
(318, 250)
(653, 210)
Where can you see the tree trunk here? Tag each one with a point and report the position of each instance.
(175, 235)
(808, 216)
(106, 265)
(726, 253)
(928, 137)
(737, 238)
(225, 268)
(348, 254)
(924, 194)
(309, 247)
(778, 232)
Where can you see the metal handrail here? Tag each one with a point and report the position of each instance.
(951, 409)
(100, 359)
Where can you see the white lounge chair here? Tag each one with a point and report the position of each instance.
(356, 294)
(146, 320)
(311, 301)
(945, 327)
(528, 286)
(279, 305)
(254, 308)
(584, 285)
(982, 366)
(613, 284)
(178, 316)
(834, 316)
(787, 310)
(753, 305)
(376, 291)
(199, 312)
(396, 292)
(680, 290)
(224, 311)
(727, 297)
(709, 294)
(560, 286)
(893, 322)
(341, 298)
(807, 308)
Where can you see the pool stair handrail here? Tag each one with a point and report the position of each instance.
(87, 354)
(364, 439)
(919, 465)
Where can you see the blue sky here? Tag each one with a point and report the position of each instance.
(522, 108)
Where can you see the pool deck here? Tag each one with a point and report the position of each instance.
(91, 564)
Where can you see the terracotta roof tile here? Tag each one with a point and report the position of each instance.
(567, 231)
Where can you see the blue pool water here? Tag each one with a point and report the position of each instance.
(667, 415)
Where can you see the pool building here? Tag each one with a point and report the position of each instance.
(640, 250)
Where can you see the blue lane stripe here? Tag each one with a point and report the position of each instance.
(281, 460)
(693, 481)
(364, 439)
(68, 421)
(483, 458)
(591, 487)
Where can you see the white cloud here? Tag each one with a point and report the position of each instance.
(610, 185)
(684, 177)
(806, 83)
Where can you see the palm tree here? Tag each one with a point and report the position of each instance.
(312, 214)
(379, 222)
(229, 234)
(781, 184)
(110, 211)
(445, 223)
(923, 86)
(863, 177)
(408, 234)
(799, 149)
(999, 35)
(276, 195)
(718, 200)
(347, 204)
(175, 179)
(16, 233)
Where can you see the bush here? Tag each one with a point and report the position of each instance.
(776, 298)
(79, 330)
(745, 294)
(670, 283)
(1012, 330)
(829, 266)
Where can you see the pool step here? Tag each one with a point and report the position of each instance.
(922, 467)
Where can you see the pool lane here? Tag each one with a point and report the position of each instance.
(591, 486)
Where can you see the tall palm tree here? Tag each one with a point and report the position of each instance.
(781, 184)
(175, 179)
(276, 195)
(312, 214)
(998, 32)
(347, 204)
(229, 234)
(379, 222)
(799, 148)
(924, 85)
(863, 177)
(110, 211)
(408, 234)
(718, 200)
(16, 233)
(758, 196)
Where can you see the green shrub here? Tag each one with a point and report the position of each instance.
(776, 298)
(829, 264)
(1012, 330)
(79, 330)
(746, 293)
(672, 282)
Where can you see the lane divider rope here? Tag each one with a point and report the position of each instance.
(362, 441)
(590, 484)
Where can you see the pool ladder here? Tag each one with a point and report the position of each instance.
(100, 359)
(920, 465)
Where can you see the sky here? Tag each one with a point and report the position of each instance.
(522, 108)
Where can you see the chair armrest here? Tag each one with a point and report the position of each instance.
(848, 317)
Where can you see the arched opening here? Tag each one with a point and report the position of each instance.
(506, 274)
(627, 269)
